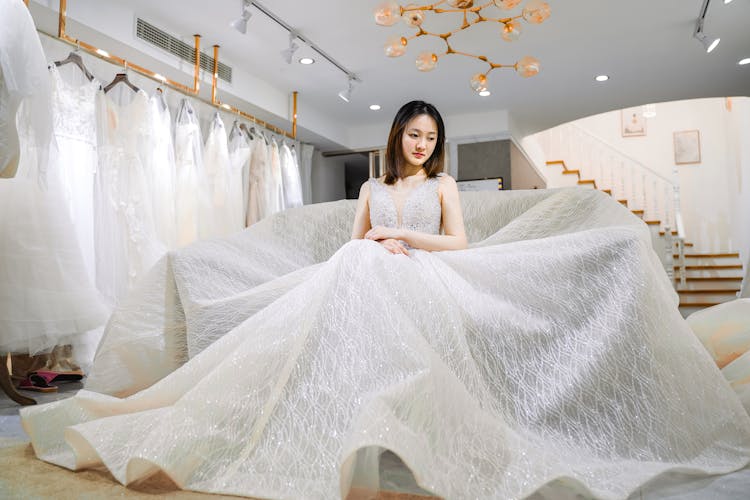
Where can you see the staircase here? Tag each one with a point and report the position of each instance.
(710, 279)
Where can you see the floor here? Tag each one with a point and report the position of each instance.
(396, 478)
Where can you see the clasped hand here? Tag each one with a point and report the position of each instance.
(388, 237)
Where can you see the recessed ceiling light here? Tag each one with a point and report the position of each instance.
(744, 61)
(375, 107)
(306, 60)
(485, 93)
(727, 1)
(602, 78)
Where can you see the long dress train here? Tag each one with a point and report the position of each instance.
(551, 351)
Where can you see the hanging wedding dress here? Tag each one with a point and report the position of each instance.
(127, 244)
(216, 162)
(548, 355)
(274, 180)
(190, 174)
(291, 178)
(46, 297)
(160, 170)
(75, 161)
(239, 156)
(258, 180)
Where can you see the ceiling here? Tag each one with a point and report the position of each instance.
(645, 46)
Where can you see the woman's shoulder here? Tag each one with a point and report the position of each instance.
(445, 179)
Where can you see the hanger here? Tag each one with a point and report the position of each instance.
(121, 78)
(75, 58)
(249, 132)
(161, 99)
(235, 130)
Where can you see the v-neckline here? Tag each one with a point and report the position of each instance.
(400, 216)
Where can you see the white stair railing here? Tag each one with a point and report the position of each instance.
(629, 179)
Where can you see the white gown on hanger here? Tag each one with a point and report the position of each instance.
(550, 355)
(46, 297)
(291, 178)
(75, 162)
(274, 181)
(239, 156)
(160, 170)
(258, 181)
(190, 173)
(216, 162)
(127, 244)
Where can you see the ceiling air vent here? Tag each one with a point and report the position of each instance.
(165, 41)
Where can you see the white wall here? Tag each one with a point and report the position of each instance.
(713, 208)
(738, 144)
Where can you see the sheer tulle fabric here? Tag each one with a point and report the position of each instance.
(552, 348)
(46, 296)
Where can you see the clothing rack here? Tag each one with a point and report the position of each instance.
(184, 89)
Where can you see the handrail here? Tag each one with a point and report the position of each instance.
(617, 151)
(192, 92)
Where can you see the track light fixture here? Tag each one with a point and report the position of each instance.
(288, 53)
(240, 24)
(346, 94)
(709, 43)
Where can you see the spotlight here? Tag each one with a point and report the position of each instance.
(485, 93)
(708, 42)
(744, 61)
(288, 53)
(375, 107)
(240, 24)
(306, 60)
(346, 94)
(601, 78)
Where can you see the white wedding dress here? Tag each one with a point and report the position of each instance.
(279, 362)
(46, 296)
(75, 162)
(160, 170)
(240, 151)
(217, 165)
(126, 241)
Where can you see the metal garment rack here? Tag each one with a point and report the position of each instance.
(184, 89)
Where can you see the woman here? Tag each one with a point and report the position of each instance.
(414, 157)
(549, 356)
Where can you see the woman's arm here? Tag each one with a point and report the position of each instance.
(362, 216)
(453, 224)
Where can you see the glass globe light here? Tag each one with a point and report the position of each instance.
(536, 11)
(387, 13)
(506, 4)
(395, 46)
(479, 82)
(413, 18)
(527, 66)
(511, 31)
(426, 61)
(461, 4)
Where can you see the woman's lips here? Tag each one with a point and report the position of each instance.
(418, 155)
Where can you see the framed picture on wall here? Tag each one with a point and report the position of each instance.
(632, 122)
(687, 147)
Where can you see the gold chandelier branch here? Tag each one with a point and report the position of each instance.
(389, 12)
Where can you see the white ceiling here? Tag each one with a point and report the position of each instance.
(645, 46)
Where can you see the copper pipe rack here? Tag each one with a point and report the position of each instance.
(193, 92)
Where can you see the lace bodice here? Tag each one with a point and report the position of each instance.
(74, 108)
(421, 211)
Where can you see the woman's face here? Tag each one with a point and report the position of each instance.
(419, 139)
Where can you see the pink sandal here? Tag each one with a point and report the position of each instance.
(38, 383)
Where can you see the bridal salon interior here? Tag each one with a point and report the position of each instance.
(199, 206)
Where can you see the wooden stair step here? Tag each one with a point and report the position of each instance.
(699, 304)
(732, 291)
(608, 191)
(709, 255)
(624, 202)
(711, 266)
(555, 162)
(674, 233)
(637, 212)
(710, 278)
(571, 172)
(652, 222)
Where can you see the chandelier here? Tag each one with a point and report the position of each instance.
(389, 12)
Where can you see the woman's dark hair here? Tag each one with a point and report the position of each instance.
(394, 153)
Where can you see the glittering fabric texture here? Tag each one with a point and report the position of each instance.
(551, 348)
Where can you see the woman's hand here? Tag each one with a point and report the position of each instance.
(379, 233)
(394, 246)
